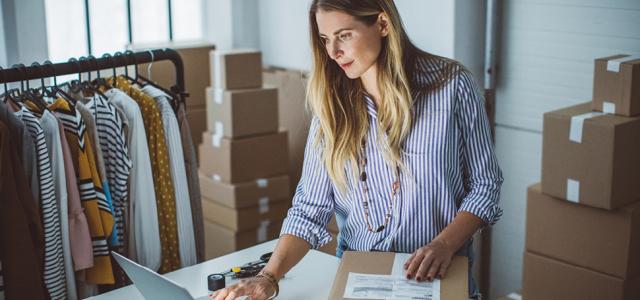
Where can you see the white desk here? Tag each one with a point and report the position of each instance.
(310, 279)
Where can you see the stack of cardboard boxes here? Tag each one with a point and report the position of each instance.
(583, 221)
(244, 161)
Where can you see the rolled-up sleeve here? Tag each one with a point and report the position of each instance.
(483, 177)
(313, 201)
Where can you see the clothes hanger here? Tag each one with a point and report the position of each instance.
(113, 66)
(94, 86)
(55, 89)
(148, 81)
(36, 96)
(7, 92)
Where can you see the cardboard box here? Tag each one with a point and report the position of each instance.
(591, 158)
(197, 119)
(455, 285)
(220, 240)
(293, 114)
(242, 113)
(616, 85)
(236, 69)
(195, 58)
(241, 160)
(593, 238)
(546, 278)
(243, 218)
(245, 194)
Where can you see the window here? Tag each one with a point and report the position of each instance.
(113, 24)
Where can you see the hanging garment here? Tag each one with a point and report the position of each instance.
(99, 215)
(27, 158)
(79, 236)
(191, 165)
(184, 218)
(92, 131)
(165, 195)
(53, 268)
(21, 235)
(143, 229)
(53, 137)
(112, 139)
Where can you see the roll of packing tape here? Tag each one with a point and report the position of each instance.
(216, 282)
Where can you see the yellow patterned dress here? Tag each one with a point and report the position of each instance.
(163, 183)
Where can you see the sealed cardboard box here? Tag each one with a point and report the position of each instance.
(197, 119)
(547, 278)
(616, 85)
(591, 158)
(241, 113)
(220, 240)
(194, 56)
(236, 69)
(245, 194)
(243, 218)
(597, 239)
(294, 117)
(241, 160)
(455, 285)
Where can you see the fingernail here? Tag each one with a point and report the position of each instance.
(408, 276)
(418, 278)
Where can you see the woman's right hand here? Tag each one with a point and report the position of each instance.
(257, 288)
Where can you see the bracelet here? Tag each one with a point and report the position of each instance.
(272, 279)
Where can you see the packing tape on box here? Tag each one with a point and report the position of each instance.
(263, 205)
(217, 69)
(614, 64)
(216, 139)
(573, 190)
(608, 107)
(262, 231)
(514, 296)
(262, 182)
(577, 123)
(218, 95)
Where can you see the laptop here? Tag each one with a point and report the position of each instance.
(152, 285)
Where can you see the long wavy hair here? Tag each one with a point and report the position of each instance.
(338, 101)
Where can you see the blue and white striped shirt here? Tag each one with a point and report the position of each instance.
(449, 155)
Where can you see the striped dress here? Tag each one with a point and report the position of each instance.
(451, 167)
(53, 266)
(96, 208)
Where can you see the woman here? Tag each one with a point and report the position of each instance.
(399, 149)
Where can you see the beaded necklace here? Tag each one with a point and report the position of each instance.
(395, 186)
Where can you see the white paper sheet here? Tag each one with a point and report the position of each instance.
(390, 287)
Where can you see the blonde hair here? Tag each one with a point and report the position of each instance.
(338, 101)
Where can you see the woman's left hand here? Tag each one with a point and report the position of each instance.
(429, 262)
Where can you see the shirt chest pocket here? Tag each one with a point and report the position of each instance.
(428, 133)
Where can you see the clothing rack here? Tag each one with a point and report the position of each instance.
(19, 73)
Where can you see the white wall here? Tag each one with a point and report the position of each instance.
(3, 46)
(25, 34)
(284, 33)
(546, 62)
